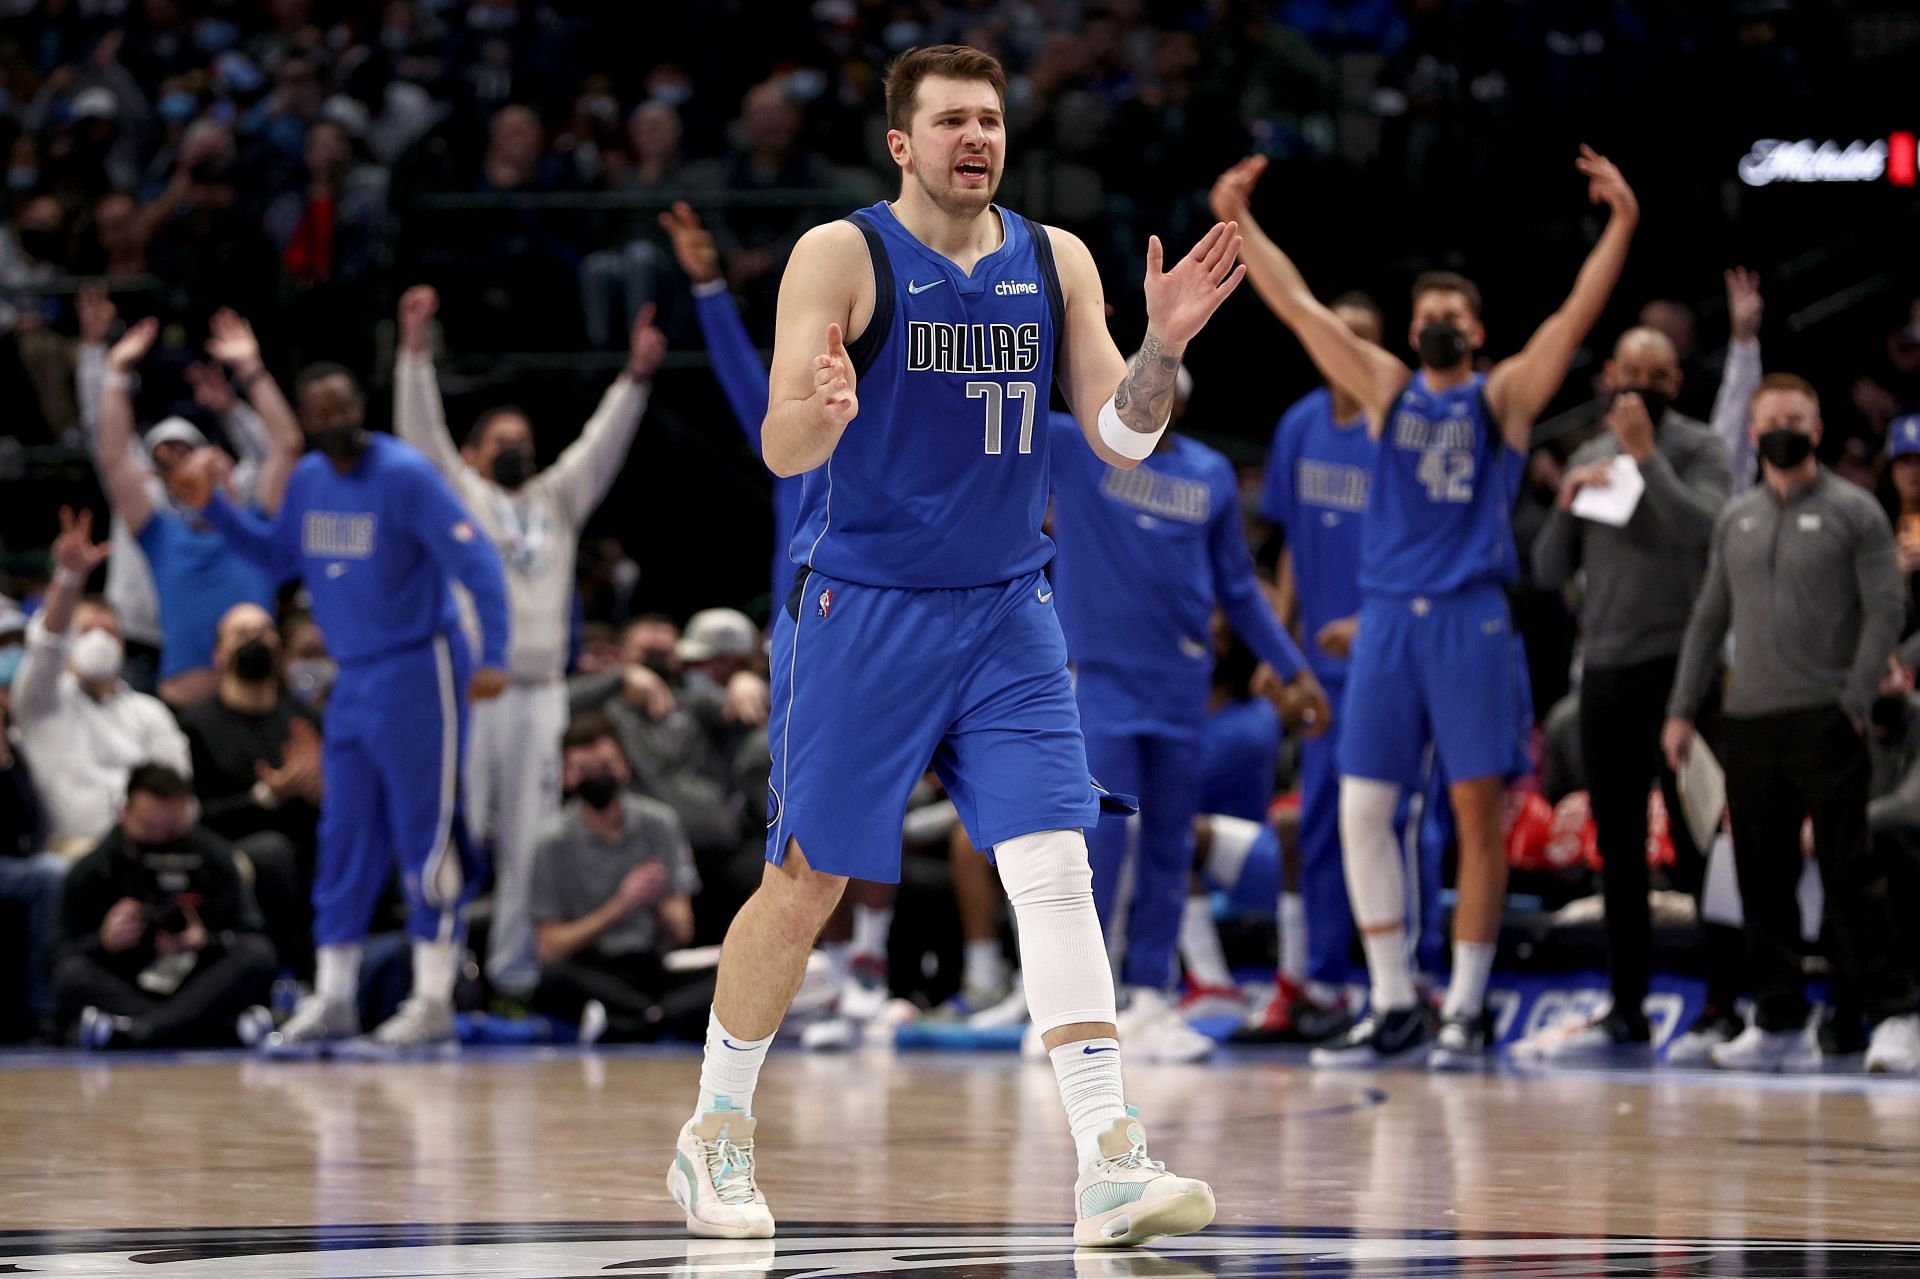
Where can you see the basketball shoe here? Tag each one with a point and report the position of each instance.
(712, 1176)
(1127, 1198)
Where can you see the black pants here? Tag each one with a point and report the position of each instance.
(227, 979)
(1780, 769)
(1621, 711)
(284, 893)
(642, 999)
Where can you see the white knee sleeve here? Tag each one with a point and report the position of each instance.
(1233, 838)
(1062, 957)
(1371, 855)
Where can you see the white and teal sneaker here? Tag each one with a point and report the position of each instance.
(712, 1176)
(1127, 1198)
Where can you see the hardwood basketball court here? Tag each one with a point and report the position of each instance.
(538, 1163)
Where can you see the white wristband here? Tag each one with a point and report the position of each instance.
(115, 380)
(1123, 439)
(64, 576)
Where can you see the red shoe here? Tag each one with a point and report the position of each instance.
(1293, 1016)
(1211, 1001)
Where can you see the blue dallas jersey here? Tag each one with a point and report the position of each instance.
(378, 549)
(1316, 489)
(941, 480)
(1440, 507)
(1145, 554)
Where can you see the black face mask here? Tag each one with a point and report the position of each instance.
(253, 661)
(1441, 345)
(341, 443)
(597, 791)
(1784, 448)
(1890, 711)
(1655, 399)
(511, 467)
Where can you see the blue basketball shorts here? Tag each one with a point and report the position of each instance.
(874, 685)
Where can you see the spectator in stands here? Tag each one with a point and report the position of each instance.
(1803, 569)
(768, 156)
(613, 887)
(161, 946)
(197, 576)
(79, 723)
(534, 518)
(204, 240)
(256, 772)
(114, 242)
(30, 876)
(1639, 584)
(333, 227)
(1903, 479)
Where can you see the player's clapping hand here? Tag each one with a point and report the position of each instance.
(193, 482)
(646, 345)
(1181, 301)
(692, 243)
(833, 380)
(1233, 190)
(1605, 185)
(133, 346)
(488, 683)
(418, 306)
(74, 549)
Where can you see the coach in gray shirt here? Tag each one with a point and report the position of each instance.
(1803, 568)
(1639, 584)
(613, 886)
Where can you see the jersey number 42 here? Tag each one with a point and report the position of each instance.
(1448, 474)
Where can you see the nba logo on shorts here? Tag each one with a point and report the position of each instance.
(826, 601)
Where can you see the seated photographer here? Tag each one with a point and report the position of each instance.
(161, 944)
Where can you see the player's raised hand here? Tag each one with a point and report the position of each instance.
(1744, 304)
(646, 345)
(1233, 190)
(418, 306)
(231, 341)
(692, 243)
(1605, 185)
(1181, 301)
(833, 380)
(133, 346)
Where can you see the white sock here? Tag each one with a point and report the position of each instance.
(435, 965)
(839, 961)
(871, 924)
(1293, 937)
(1089, 1075)
(336, 973)
(1200, 947)
(986, 966)
(1387, 966)
(730, 1069)
(1467, 990)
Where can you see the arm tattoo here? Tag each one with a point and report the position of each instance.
(1144, 398)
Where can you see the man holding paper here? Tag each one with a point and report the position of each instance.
(1636, 513)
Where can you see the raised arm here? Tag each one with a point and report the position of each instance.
(1364, 370)
(232, 343)
(826, 298)
(1521, 385)
(736, 363)
(1122, 406)
(126, 478)
(584, 472)
(75, 556)
(1740, 376)
(418, 416)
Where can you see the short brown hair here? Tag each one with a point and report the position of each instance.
(955, 61)
(1447, 282)
(1786, 382)
(587, 728)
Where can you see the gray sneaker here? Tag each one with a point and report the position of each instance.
(420, 1027)
(316, 1023)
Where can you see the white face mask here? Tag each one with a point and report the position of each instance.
(97, 657)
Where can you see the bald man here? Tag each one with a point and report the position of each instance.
(1641, 580)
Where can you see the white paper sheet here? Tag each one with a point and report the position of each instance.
(1612, 503)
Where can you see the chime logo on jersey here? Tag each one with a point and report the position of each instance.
(826, 601)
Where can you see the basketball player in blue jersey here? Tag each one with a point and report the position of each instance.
(1433, 657)
(1144, 556)
(915, 346)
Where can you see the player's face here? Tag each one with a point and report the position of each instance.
(1445, 306)
(1785, 410)
(957, 148)
(330, 402)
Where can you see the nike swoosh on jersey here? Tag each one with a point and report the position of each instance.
(1044, 595)
(916, 288)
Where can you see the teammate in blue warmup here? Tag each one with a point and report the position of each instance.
(1433, 658)
(1143, 557)
(915, 348)
(379, 539)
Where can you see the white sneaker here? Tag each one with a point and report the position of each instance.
(1127, 1198)
(419, 1026)
(1010, 1011)
(252, 1026)
(316, 1023)
(1695, 1047)
(593, 1022)
(1768, 1050)
(1895, 1047)
(1152, 1029)
(712, 1176)
(833, 1033)
(866, 993)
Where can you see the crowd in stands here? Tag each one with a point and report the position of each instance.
(379, 185)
